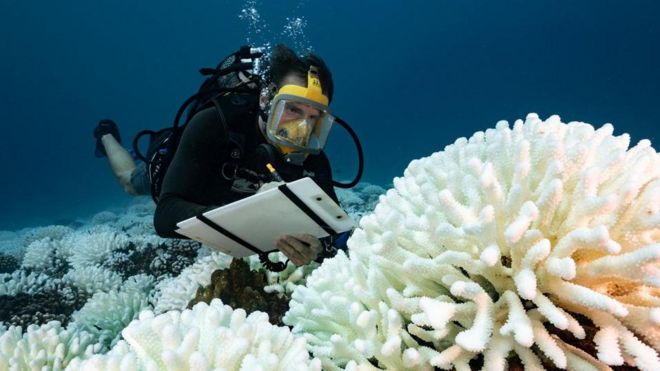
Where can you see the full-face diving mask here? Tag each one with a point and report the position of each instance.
(299, 120)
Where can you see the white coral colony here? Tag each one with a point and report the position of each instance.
(528, 240)
(206, 337)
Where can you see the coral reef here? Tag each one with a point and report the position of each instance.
(106, 314)
(104, 217)
(99, 245)
(93, 279)
(533, 246)
(493, 246)
(46, 347)
(174, 293)
(55, 302)
(286, 281)
(8, 263)
(360, 200)
(20, 281)
(208, 336)
(53, 232)
(240, 287)
(42, 256)
(157, 258)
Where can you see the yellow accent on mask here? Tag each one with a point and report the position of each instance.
(313, 91)
(294, 131)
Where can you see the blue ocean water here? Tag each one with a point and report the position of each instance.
(410, 76)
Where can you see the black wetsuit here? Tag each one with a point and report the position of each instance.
(195, 182)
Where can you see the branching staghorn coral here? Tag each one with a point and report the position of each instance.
(175, 293)
(492, 246)
(39, 255)
(84, 249)
(105, 315)
(46, 347)
(43, 256)
(20, 281)
(93, 279)
(206, 337)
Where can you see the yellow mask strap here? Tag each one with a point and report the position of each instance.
(313, 91)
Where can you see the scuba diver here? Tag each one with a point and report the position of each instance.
(239, 125)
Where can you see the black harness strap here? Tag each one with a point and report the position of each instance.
(230, 235)
(305, 209)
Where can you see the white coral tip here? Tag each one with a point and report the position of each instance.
(437, 313)
(364, 319)
(618, 309)
(526, 284)
(458, 288)
(608, 349)
(654, 315)
(471, 340)
(612, 247)
(524, 336)
(391, 345)
(561, 267)
(411, 358)
(515, 231)
(360, 345)
(146, 314)
(490, 256)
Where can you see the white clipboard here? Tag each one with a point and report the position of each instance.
(258, 220)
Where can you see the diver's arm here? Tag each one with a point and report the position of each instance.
(188, 177)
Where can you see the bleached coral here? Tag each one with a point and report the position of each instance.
(283, 282)
(106, 314)
(93, 279)
(86, 249)
(15, 242)
(54, 232)
(21, 282)
(46, 347)
(175, 293)
(138, 220)
(486, 246)
(39, 255)
(207, 337)
(136, 225)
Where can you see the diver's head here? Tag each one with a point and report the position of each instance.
(296, 118)
(285, 63)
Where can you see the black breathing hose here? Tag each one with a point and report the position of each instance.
(358, 146)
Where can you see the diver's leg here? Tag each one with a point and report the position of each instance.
(121, 162)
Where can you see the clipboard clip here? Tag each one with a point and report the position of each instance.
(271, 265)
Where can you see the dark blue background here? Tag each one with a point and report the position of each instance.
(411, 77)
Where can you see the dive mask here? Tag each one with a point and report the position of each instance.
(299, 120)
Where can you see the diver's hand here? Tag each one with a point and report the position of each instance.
(301, 250)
